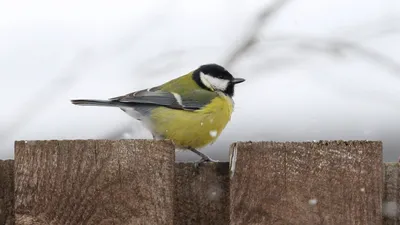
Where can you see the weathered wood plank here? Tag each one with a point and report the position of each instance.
(94, 182)
(391, 196)
(6, 192)
(201, 194)
(306, 183)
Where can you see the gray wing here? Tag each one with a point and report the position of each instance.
(154, 97)
(148, 97)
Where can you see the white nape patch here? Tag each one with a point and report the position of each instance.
(213, 82)
(213, 133)
(178, 98)
(204, 80)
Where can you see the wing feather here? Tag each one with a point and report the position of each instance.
(192, 100)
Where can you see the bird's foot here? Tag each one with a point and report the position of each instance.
(197, 164)
(204, 158)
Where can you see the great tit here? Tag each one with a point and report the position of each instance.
(191, 110)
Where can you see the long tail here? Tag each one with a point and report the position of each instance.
(92, 102)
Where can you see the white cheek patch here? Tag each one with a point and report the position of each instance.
(213, 82)
(204, 80)
(217, 83)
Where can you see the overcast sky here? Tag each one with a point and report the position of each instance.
(321, 69)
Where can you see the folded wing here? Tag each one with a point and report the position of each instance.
(192, 100)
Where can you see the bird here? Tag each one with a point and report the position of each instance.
(191, 110)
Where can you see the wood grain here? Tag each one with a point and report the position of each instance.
(306, 183)
(6, 192)
(201, 194)
(95, 182)
(391, 196)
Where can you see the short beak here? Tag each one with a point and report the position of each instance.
(237, 80)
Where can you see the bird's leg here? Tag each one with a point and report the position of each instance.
(204, 157)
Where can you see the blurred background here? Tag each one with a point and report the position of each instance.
(314, 69)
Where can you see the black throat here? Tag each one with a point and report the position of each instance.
(230, 90)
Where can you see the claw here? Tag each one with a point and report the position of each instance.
(204, 160)
(210, 160)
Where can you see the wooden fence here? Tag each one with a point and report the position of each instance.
(103, 182)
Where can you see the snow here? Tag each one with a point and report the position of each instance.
(213, 133)
(312, 201)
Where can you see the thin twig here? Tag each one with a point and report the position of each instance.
(334, 47)
(250, 37)
(337, 46)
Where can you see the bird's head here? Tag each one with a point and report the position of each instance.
(216, 78)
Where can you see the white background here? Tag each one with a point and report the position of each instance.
(320, 69)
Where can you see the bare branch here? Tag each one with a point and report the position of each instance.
(371, 54)
(250, 37)
(337, 47)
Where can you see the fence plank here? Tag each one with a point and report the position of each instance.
(306, 183)
(6, 192)
(201, 194)
(94, 182)
(391, 196)
(192, 207)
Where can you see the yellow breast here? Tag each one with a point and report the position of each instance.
(194, 129)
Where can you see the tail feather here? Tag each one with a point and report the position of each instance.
(92, 102)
